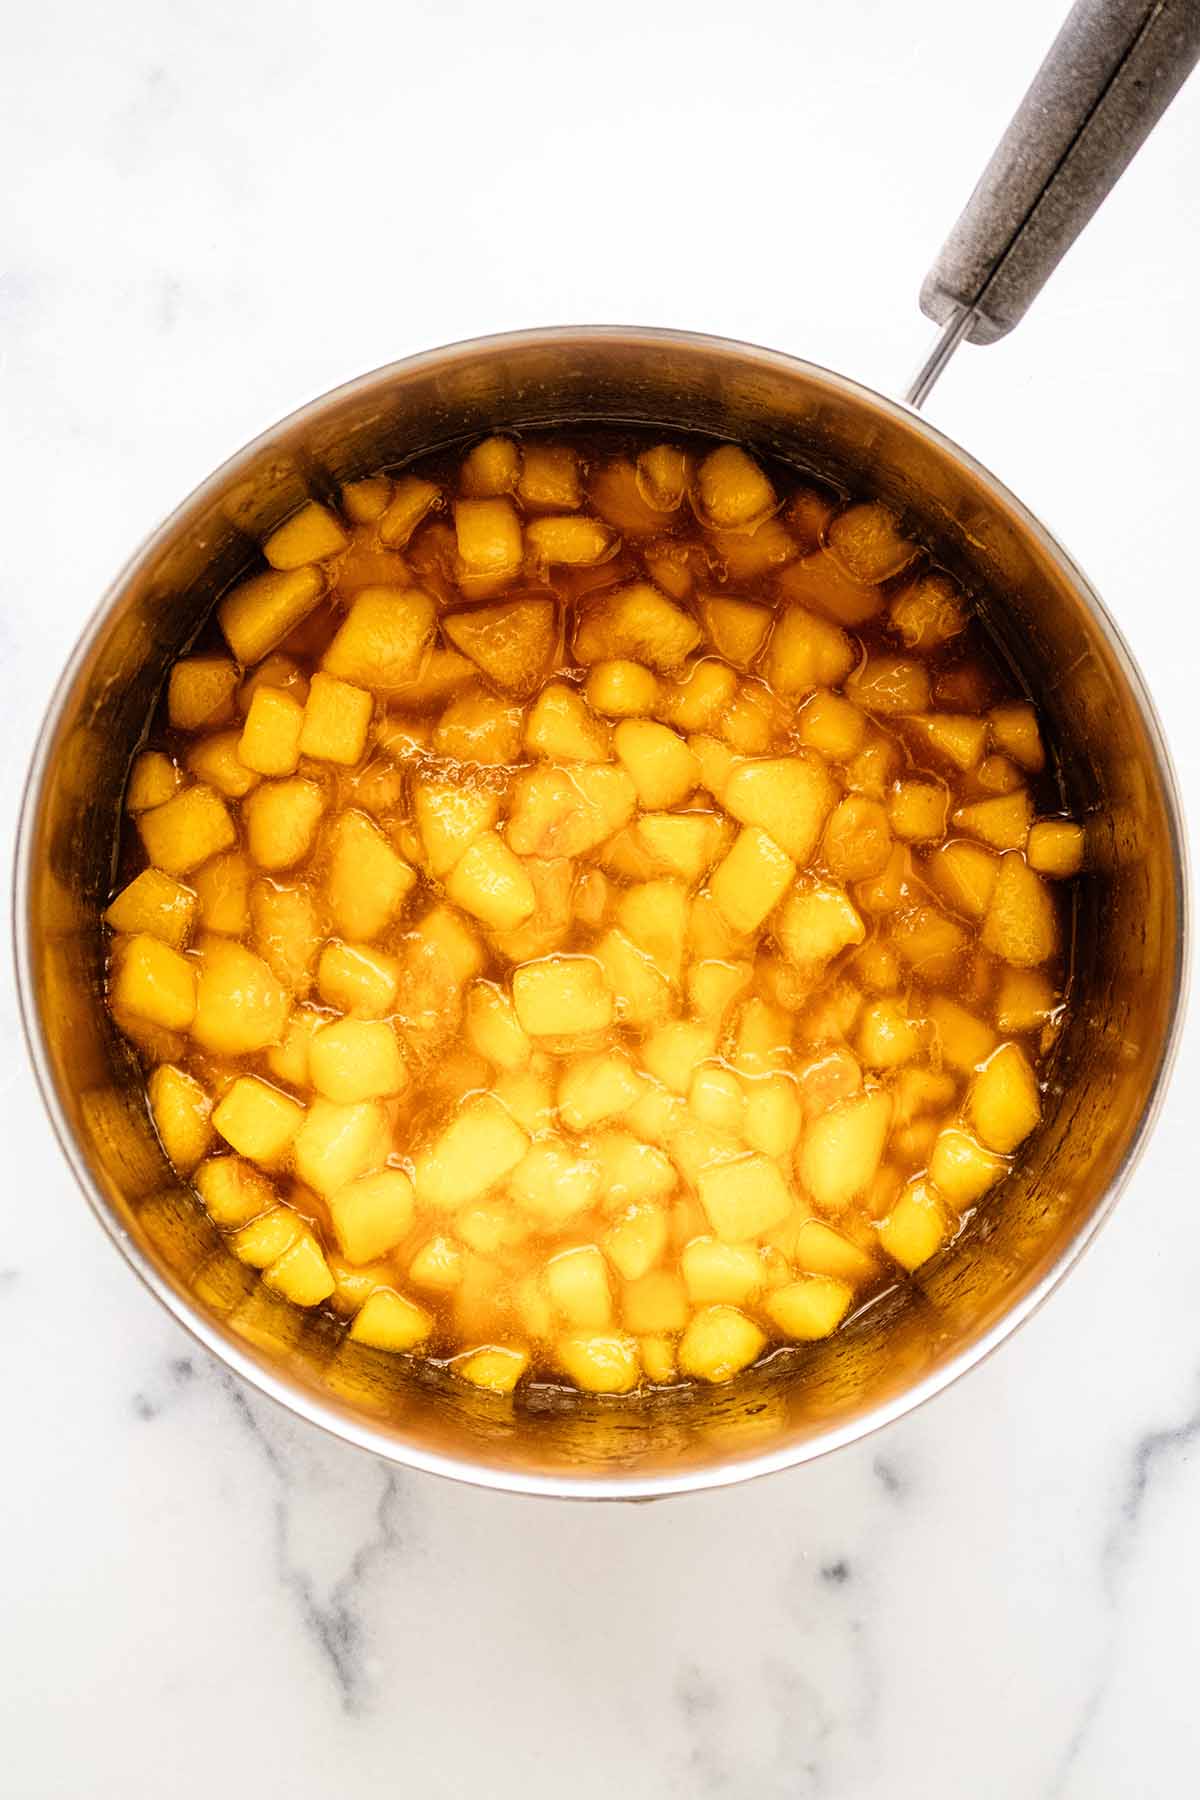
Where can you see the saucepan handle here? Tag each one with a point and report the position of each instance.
(1110, 74)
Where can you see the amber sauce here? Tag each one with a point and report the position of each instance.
(950, 988)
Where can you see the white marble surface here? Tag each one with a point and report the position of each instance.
(211, 214)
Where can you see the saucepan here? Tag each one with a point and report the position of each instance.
(1110, 74)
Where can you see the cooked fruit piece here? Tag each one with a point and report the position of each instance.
(240, 1005)
(714, 1272)
(561, 726)
(186, 830)
(366, 883)
(857, 841)
(736, 629)
(439, 1265)
(301, 1274)
(336, 1144)
(917, 811)
(1055, 847)
(153, 982)
(372, 1214)
(549, 478)
(182, 1115)
(752, 879)
(656, 1302)
(636, 622)
(820, 1250)
(365, 501)
(744, 1198)
(380, 642)
(411, 499)
(489, 543)
(662, 768)
(270, 740)
(685, 844)
(958, 739)
(806, 652)
(233, 1191)
(842, 1149)
(287, 930)
(553, 883)
(887, 1037)
(490, 467)
(1025, 1000)
(578, 1288)
(1003, 1103)
(154, 903)
(655, 915)
(214, 759)
(481, 1145)
(618, 495)
(1019, 924)
(258, 614)
(356, 1059)
(663, 476)
(867, 541)
(569, 541)
(889, 685)
(917, 1225)
(265, 1239)
(288, 1059)
(821, 583)
(789, 798)
(964, 875)
(746, 555)
(831, 725)
(961, 1040)
(358, 980)
(281, 819)
(718, 1344)
(595, 1088)
(815, 922)
(389, 1321)
(621, 689)
(496, 1368)
(450, 816)
(997, 775)
(809, 1309)
(700, 699)
(732, 490)
(479, 727)
(562, 996)
(308, 536)
(961, 1169)
(928, 612)
(152, 781)
(568, 811)
(672, 1052)
(599, 1362)
(1003, 823)
(491, 884)
(1014, 730)
(513, 642)
(200, 692)
(929, 943)
(715, 1098)
(493, 1028)
(257, 1120)
(337, 717)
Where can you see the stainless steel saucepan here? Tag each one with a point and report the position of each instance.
(1108, 77)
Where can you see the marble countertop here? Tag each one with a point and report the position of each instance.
(212, 215)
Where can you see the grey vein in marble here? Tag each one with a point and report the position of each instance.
(337, 1623)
